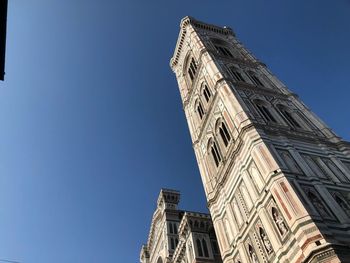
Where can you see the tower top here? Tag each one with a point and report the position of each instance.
(168, 198)
(185, 22)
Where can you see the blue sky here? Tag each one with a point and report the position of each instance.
(92, 123)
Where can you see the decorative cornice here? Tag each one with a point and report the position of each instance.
(198, 24)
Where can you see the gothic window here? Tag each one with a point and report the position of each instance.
(205, 248)
(192, 69)
(200, 110)
(206, 93)
(175, 228)
(170, 228)
(264, 111)
(255, 79)
(236, 74)
(288, 116)
(223, 132)
(224, 51)
(279, 222)
(265, 240)
(172, 243)
(214, 152)
(199, 248)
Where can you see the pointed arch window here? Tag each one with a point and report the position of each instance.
(175, 228)
(200, 110)
(236, 74)
(223, 51)
(206, 93)
(255, 79)
(192, 69)
(214, 152)
(205, 248)
(288, 116)
(199, 248)
(224, 133)
(172, 243)
(222, 47)
(264, 111)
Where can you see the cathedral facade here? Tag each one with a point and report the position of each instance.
(178, 236)
(276, 177)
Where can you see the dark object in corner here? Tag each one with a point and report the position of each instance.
(3, 20)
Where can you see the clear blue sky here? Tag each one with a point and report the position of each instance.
(92, 123)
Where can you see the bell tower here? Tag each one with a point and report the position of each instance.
(276, 177)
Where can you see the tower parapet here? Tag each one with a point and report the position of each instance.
(168, 199)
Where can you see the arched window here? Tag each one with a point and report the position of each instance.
(288, 116)
(192, 69)
(200, 110)
(224, 133)
(255, 79)
(236, 74)
(214, 151)
(199, 248)
(206, 93)
(224, 51)
(172, 243)
(205, 248)
(264, 111)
